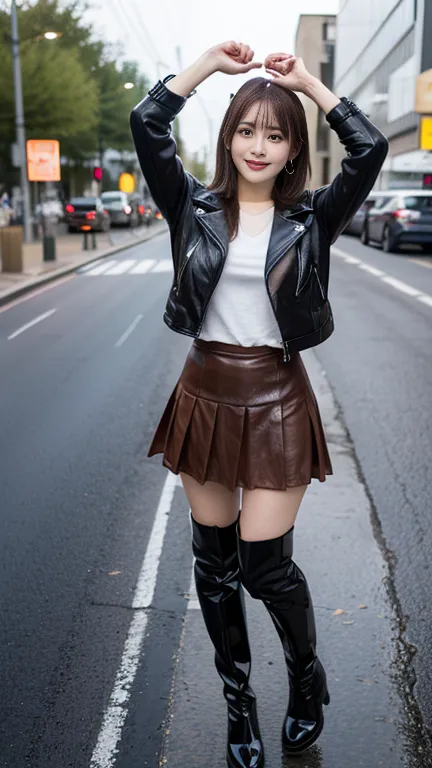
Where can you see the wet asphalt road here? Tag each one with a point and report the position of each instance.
(81, 392)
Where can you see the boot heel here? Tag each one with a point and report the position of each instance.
(326, 699)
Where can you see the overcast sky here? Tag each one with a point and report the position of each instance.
(152, 31)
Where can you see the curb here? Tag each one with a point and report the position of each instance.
(15, 293)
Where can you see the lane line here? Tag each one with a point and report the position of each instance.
(31, 324)
(129, 330)
(398, 285)
(427, 264)
(105, 751)
(372, 270)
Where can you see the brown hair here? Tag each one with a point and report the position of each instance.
(289, 112)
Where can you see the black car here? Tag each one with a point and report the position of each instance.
(86, 212)
(355, 226)
(399, 218)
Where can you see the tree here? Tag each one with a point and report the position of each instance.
(73, 89)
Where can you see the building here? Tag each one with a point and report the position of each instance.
(315, 44)
(381, 48)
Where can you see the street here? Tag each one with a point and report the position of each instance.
(105, 658)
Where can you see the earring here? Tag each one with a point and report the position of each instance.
(292, 166)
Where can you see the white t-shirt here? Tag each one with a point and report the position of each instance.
(240, 311)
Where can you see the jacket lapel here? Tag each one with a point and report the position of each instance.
(288, 225)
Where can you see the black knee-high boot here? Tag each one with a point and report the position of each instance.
(221, 598)
(269, 573)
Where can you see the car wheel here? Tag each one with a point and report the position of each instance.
(71, 229)
(388, 242)
(364, 236)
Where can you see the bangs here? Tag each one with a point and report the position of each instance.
(270, 114)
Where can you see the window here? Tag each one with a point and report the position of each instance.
(416, 203)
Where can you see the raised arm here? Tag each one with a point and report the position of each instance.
(151, 123)
(366, 147)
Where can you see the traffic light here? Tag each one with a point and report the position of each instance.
(97, 173)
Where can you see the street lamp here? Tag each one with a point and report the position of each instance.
(19, 118)
(52, 35)
(19, 123)
(128, 86)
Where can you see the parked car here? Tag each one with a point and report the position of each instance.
(86, 211)
(123, 208)
(400, 217)
(355, 226)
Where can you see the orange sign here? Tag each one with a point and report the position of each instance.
(43, 160)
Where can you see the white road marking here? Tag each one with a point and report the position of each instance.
(105, 751)
(372, 270)
(121, 267)
(129, 330)
(128, 266)
(101, 268)
(31, 323)
(143, 266)
(425, 299)
(398, 285)
(427, 264)
(165, 265)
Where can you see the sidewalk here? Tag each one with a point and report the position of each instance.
(69, 256)
(372, 720)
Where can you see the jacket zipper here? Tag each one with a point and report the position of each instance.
(185, 263)
(286, 354)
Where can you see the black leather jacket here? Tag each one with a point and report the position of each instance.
(297, 262)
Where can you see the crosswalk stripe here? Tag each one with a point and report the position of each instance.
(143, 266)
(121, 267)
(101, 268)
(165, 265)
(128, 266)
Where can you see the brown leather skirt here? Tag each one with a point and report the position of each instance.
(240, 416)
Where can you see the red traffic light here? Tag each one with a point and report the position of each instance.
(97, 173)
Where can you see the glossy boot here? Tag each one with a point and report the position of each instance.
(270, 574)
(221, 598)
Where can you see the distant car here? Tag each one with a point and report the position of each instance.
(86, 212)
(149, 211)
(355, 226)
(122, 208)
(400, 217)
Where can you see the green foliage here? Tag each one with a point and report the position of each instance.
(73, 89)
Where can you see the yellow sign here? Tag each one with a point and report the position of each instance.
(426, 133)
(423, 98)
(126, 183)
(43, 160)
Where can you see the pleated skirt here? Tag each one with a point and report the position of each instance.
(242, 417)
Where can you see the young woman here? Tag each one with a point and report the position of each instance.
(251, 268)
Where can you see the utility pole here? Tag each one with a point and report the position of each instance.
(19, 123)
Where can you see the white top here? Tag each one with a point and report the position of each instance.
(239, 311)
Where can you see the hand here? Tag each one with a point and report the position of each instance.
(288, 70)
(231, 58)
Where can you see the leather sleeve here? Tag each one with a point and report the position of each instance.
(156, 148)
(366, 148)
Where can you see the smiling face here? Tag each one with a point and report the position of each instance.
(259, 149)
